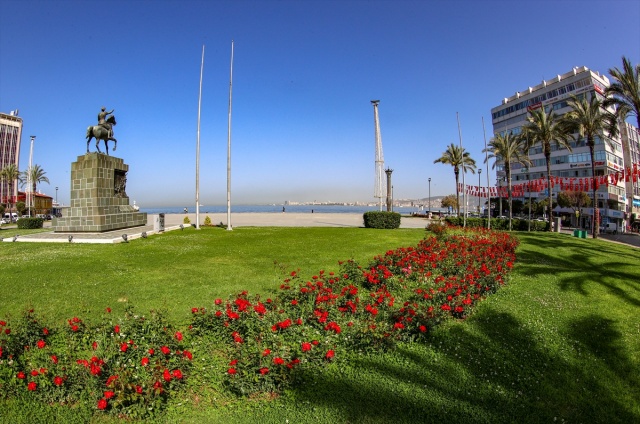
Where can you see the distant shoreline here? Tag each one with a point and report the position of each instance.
(240, 209)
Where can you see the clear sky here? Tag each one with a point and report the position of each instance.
(304, 74)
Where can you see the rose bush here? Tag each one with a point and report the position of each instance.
(399, 296)
(129, 366)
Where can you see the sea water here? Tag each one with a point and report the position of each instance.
(279, 208)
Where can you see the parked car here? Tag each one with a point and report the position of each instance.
(609, 228)
(4, 221)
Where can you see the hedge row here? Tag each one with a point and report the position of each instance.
(380, 219)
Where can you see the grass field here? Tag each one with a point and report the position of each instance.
(559, 343)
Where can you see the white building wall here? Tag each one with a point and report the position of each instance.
(512, 115)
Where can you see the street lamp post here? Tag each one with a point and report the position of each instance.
(479, 173)
(429, 214)
(56, 195)
(29, 182)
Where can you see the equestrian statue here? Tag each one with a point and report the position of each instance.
(103, 131)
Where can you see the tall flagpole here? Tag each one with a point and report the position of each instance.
(379, 161)
(229, 227)
(198, 147)
(464, 187)
(486, 160)
(28, 191)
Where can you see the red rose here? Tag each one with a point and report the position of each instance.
(108, 310)
(330, 354)
(94, 345)
(139, 389)
(266, 352)
(54, 359)
(109, 394)
(166, 375)
(306, 346)
(188, 355)
(20, 375)
(218, 301)
(102, 404)
(32, 386)
(278, 361)
(165, 350)
(41, 344)
(34, 373)
(145, 361)
(177, 374)
(116, 329)
(264, 371)
(234, 362)
(124, 347)
(178, 336)
(57, 380)
(231, 371)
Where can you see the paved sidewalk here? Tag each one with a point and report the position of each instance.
(175, 222)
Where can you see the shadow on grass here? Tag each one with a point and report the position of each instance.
(578, 263)
(489, 369)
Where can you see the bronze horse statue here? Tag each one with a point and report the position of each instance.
(101, 133)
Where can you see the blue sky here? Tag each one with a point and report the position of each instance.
(304, 74)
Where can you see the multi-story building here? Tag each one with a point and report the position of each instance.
(10, 133)
(631, 145)
(566, 166)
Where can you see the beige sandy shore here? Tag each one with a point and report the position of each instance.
(286, 219)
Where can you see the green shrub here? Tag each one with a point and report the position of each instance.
(186, 220)
(30, 223)
(384, 220)
(207, 222)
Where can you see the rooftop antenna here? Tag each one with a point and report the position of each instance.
(379, 182)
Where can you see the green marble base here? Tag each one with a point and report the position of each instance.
(99, 201)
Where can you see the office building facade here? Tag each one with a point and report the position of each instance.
(570, 168)
(10, 136)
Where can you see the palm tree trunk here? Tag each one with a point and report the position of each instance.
(549, 206)
(508, 169)
(457, 192)
(594, 225)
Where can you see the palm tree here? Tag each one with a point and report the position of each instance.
(458, 158)
(2, 180)
(10, 174)
(509, 149)
(36, 175)
(546, 129)
(591, 120)
(624, 93)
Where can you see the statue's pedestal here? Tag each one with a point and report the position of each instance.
(98, 199)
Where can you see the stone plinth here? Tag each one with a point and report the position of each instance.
(99, 201)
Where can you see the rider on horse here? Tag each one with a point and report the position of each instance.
(102, 116)
(102, 131)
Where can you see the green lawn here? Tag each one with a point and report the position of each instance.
(560, 342)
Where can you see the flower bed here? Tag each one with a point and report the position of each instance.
(128, 367)
(400, 296)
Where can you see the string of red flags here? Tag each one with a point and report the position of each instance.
(629, 174)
